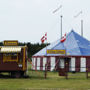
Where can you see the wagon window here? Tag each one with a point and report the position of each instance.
(14, 56)
(10, 57)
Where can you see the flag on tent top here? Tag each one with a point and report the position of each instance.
(44, 38)
(63, 38)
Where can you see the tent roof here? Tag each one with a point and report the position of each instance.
(75, 45)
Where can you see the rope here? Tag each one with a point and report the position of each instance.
(34, 67)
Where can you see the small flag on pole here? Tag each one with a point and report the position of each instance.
(78, 14)
(57, 9)
(44, 38)
(63, 38)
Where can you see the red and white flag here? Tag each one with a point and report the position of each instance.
(63, 38)
(44, 38)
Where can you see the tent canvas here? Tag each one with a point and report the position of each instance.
(75, 45)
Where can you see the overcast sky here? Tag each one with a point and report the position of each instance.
(28, 20)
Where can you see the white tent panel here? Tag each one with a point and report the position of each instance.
(72, 65)
(38, 63)
(44, 62)
(62, 63)
(33, 63)
(52, 63)
(83, 64)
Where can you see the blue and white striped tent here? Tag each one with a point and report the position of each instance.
(75, 45)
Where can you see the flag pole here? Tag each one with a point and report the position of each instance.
(60, 16)
(81, 27)
(80, 13)
(44, 38)
(46, 47)
(61, 26)
(46, 43)
(46, 56)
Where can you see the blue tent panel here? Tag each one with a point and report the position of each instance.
(75, 45)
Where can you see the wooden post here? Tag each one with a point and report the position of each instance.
(45, 71)
(66, 69)
(87, 73)
(66, 75)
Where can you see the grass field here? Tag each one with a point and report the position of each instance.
(36, 81)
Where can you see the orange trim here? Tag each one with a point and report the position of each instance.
(24, 68)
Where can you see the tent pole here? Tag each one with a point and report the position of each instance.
(45, 74)
(82, 28)
(61, 26)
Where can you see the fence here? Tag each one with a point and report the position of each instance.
(55, 73)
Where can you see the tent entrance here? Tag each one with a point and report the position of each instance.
(63, 66)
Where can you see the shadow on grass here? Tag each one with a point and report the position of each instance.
(2, 76)
(50, 75)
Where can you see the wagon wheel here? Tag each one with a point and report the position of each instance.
(16, 74)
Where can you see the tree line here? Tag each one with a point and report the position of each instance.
(33, 48)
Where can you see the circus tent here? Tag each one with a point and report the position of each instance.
(76, 58)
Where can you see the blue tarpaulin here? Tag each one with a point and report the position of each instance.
(75, 45)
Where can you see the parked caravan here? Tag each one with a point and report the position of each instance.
(13, 58)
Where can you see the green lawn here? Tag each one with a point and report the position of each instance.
(36, 81)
